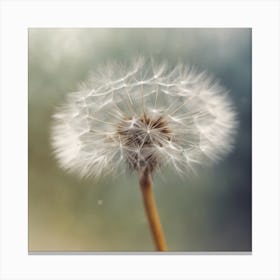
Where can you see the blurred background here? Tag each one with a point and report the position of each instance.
(204, 213)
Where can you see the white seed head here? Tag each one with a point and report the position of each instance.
(143, 117)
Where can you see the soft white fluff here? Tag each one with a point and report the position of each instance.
(196, 109)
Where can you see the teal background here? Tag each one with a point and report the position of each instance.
(207, 212)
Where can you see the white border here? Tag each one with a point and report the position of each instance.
(262, 16)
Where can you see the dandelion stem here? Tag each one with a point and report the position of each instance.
(151, 210)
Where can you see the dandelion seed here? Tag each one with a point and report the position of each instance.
(142, 119)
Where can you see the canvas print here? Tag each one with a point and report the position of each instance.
(139, 140)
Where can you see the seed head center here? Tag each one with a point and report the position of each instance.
(142, 137)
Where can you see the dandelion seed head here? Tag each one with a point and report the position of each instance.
(143, 116)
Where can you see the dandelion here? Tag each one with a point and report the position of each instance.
(142, 118)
